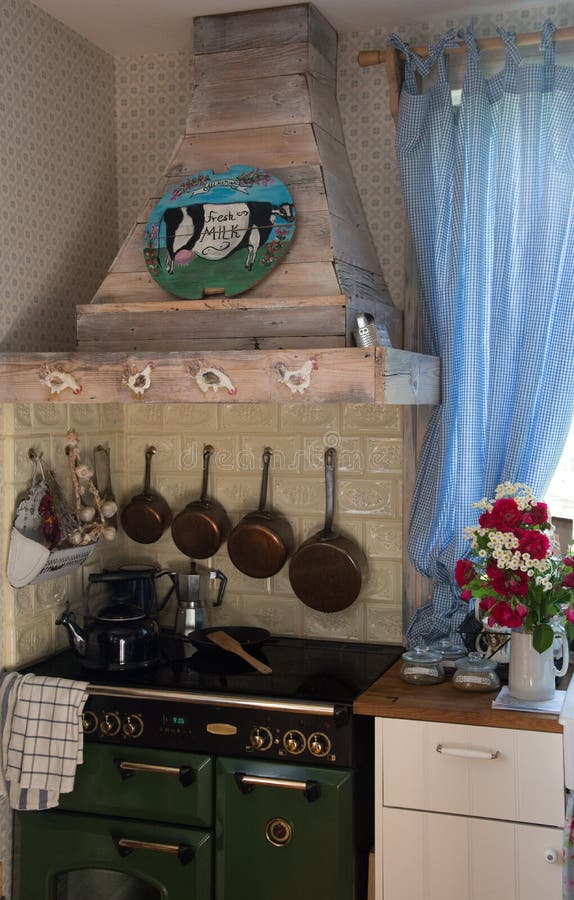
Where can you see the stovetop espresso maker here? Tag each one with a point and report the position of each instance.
(194, 591)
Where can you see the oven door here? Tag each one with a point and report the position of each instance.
(283, 831)
(68, 856)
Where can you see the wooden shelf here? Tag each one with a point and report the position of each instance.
(351, 375)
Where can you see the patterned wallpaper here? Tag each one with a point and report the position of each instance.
(58, 226)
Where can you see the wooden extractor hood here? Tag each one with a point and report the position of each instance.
(264, 97)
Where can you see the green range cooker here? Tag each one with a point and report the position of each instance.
(205, 780)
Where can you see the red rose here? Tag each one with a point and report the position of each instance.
(466, 596)
(507, 584)
(533, 542)
(505, 514)
(569, 561)
(464, 572)
(536, 515)
(485, 520)
(503, 614)
(568, 580)
(570, 615)
(487, 603)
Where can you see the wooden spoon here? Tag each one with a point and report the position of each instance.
(226, 642)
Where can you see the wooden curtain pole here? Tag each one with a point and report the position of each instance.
(393, 59)
(529, 39)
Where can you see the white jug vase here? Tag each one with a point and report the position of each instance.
(531, 675)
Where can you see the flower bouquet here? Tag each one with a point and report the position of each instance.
(513, 572)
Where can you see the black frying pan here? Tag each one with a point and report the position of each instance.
(249, 638)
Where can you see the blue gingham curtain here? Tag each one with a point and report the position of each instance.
(489, 191)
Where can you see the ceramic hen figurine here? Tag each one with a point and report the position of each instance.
(297, 380)
(57, 380)
(207, 377)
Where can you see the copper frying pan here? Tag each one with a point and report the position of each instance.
(147, 515)
(327, 570)
(261, 543)
(200, 529)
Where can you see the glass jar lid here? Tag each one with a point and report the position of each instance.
(474, 662)
(448, 649)
(422, 655)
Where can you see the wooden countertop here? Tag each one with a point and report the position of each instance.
(393, 698)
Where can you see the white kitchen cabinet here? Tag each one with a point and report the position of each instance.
(465, 812)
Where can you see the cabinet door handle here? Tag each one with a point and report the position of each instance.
(310, 788)
(126, 769)
(125, 846)
(467, 752)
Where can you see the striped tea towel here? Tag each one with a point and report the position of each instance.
(42, 738)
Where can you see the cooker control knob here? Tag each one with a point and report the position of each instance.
(261, 738)
(89, 722)
(133, 726)
(110, 724)
(294, 741)
(318, 744)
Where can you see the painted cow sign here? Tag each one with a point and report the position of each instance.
(221, 231)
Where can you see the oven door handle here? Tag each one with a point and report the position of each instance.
(246, 783)
(127, 769)
(125, 846)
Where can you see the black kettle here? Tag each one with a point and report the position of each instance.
(135, 585)
(120, 637)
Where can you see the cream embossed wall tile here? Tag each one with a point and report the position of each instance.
(383, 581)
(349, 450)
(240, 583)
(279, 615)
(144, 416)
(84, 416)
(316, 417)
(348, 624)
(21, 417)
(167, 456)
(350, 526)
(53, 416)
(371, 417)
(113, 415)
(18, 464)
(20, 604)
(51, 594)
(297, 495)
(384, 455)
(248, 417)
(224, 458)
(238, 495)
(34, 640)
(287, 453)
(384, 538)
(198, 418)
(384, 623)
(229, 613)
(380, 497)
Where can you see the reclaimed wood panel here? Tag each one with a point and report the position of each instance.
(151, 345)
(284, 146)
(253, 28)
(215, 318)
(353, 244)
(407, 378)
(251, 62)
(322, 35)
(256, 103)
(342, 375)
(311, 241)
(324, 108)
(286, 280)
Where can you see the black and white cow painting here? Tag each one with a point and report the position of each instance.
(213, 231)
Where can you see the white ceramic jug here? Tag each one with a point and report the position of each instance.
(531, 675)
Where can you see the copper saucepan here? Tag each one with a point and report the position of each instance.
(327, 570)
(261, 543)
(200, 529)
(147, 515)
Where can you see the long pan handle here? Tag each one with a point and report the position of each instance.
(267, 454)
(147, 480)
(330, 457)
(207, 451)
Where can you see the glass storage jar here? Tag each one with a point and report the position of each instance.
(450, 654)
(422, 666)
(475, 673)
